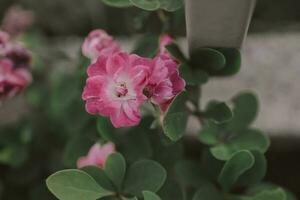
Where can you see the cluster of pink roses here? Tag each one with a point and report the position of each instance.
(14, 67)
(118, 82)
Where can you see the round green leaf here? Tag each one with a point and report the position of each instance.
(219, 112)
(149, 5)
(75, 185)
(209, 59)
(100, 176)
(175, 119)
(144, 175)
(236, 166)
(250, 139)
(150, 196)
(117, 3)
(277, 194)
(244, 112)
(193, 77)
(171, 5)
(257, 171)
(115, 168)
(233, 62)
(263, 187)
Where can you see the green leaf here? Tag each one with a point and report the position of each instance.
(236, 166)
(171, 5)
(263, 187)
(210, 134)
(251, 139)
(175, 119)
(233, 62)
(144, 175)
(244, 112)
(207, 192)
(75, 185)
(209, 59)
(193, 77)
(117, 3)
(115, 168)
(257, 171)
(277, 194)
(100, 177)
(219, 112)
(147, 46)
(149, 5)
(176, 53)
(150, 196)
(106, 129)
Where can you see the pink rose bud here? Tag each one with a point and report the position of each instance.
(97, 155)
(164, 40)
(12, 80)
(17, 20)
(115, 88)
(97, 43)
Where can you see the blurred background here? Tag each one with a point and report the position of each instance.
(271, 67)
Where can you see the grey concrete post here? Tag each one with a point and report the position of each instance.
(218, 23)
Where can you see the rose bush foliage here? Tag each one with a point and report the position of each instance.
(157, 94)
(115, 127)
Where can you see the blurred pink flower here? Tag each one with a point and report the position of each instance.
(97, 155)
(115, 88)
(97, 43)
(20, 57)
(14, 67)
(4, 38)
(12, 80)
(164, 82)
(17, 20)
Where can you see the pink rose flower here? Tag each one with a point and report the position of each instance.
(164, 82)
(97, 43)
(12, 80)
(97, 155)
(115, 88)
